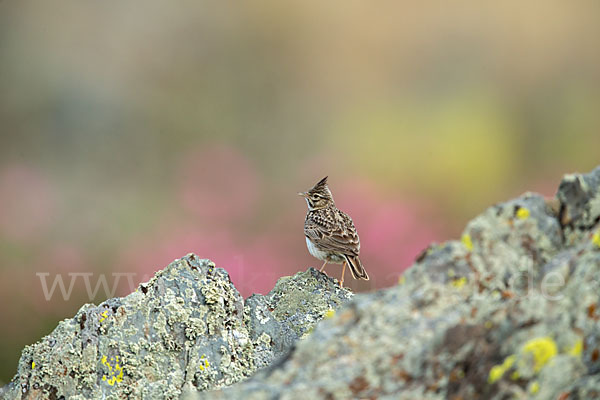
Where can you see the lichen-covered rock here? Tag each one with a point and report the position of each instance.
(580, 204)
(512, 310)
(290, 311)
(184, 329)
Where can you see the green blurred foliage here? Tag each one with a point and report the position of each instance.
(444, 149)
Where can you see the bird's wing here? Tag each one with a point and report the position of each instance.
(333, 232)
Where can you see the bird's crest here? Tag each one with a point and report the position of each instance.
(321, 188)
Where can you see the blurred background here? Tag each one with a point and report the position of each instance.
(135, 133)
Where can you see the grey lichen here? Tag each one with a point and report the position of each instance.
(290, 311)
(186, 328)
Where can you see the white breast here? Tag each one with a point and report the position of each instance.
(323, 255)
(312, 249)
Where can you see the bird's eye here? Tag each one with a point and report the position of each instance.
(316, 197)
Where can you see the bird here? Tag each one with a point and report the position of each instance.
(330, 233)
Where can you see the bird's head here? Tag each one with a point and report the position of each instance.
(319, 196)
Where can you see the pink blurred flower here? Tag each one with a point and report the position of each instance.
(28, 202)
(152, 253)
(392, 233)
(263, 262)
(218, 183)
(59, 260)
(254, 264)
(65, 258)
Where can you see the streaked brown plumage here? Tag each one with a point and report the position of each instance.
(330, 233)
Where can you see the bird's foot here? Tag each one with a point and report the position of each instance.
(323, 267)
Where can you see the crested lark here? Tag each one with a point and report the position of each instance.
(330, 233)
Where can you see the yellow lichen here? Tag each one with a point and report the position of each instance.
(488, 324)
(576, 349)
(542, 349)
(32, 364)
(115, 378)
(458, 283)
(522, 213)
(204, 364)
(115, 373)
(466, 241)
(329, 313)
(534, 387)
(596, 239)
(104, 315)
(498, 371)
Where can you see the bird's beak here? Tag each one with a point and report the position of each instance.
(303, 194)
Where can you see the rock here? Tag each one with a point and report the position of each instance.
(510, 311)
(186, 327)
(580, 204)
(290, 311)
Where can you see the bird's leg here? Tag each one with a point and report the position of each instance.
(323, 267)
(343, 270)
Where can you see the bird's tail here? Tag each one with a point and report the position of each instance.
(358, 271)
